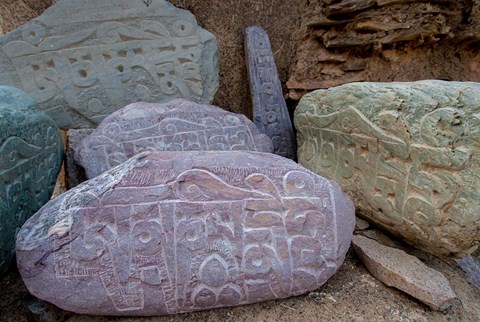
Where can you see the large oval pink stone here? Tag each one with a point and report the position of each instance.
(171, 232)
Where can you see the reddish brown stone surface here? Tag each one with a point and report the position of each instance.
(176, 232)
(178, 125)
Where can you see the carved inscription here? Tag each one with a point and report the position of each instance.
(179, 125)
(414, 169)
(269, 108)
(81, 72)
(197, 236)
(30, 158)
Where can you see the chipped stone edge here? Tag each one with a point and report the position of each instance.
(70, 202)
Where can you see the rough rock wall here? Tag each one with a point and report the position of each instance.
(386, 40)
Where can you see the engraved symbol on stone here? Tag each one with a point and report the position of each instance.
(72, 58)
(179, 125)
(171, 232)
(407, 152)
(31, 153)
(270, 111)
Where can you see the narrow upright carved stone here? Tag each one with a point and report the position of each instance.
(407, 153)
(179, 125)
(83, 60)
(270, 113)
(31, 153)
(171, 232)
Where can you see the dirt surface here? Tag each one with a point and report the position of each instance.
(227, 20)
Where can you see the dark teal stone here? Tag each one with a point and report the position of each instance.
(31, 153)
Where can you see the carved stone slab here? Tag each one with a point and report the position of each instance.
(407, 153)
(171, 232)
(83, 60)
(179, 125)
(31, 153)
(270, 111)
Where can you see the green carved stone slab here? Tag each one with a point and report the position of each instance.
(31, 153)
(407, 153)
(83, 60)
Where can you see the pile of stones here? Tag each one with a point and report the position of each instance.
(176, 205)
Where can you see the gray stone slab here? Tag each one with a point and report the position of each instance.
(83, 60)
(270, 112)
(74, 172)
(31, 153)
(172, 232)
(407, 273)
(407, 153)
(179, 125)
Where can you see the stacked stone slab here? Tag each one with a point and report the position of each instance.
(179, 125)
(83, 60)
(31, 153)
(407, 153)
(171, 232)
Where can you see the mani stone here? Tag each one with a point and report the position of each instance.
(83, 60)
(31, 153)
(179, 125)
(407, 273)
(270, 112)
(407, 153)
(173, 232)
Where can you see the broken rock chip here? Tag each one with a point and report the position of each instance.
(407, 153)
(407, 273)
(83, 60)
(178, 125)
(31, 152)
(170, 232)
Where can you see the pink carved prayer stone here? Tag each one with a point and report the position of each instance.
(172, 232)
(179, 125)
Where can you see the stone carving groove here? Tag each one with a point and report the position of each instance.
(175, 232)
(30, 157)
(407, 153)
(178, 125)
(81, 65)
(270, 112)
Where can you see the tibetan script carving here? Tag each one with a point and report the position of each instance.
(407, 153)
(171, 232)
(83, 60)
(179, 125)
(270, 111)
(31, 152)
